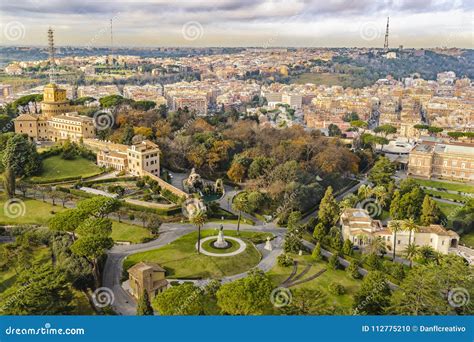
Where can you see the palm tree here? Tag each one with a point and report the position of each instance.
(411, 226)
(411, 251)
(381, 194)
(364, 192)
(240, 204)
(377, 246)
(395, 226)
(198, 220)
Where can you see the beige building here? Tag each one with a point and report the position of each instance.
(147, 276)
(361, 229)
(442, 160)
(56, 122)
(144, 157)
(55, 101)
(138, 159)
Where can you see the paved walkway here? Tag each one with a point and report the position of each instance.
(124, 303)
(242, 246)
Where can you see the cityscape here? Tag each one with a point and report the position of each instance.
(231, 164)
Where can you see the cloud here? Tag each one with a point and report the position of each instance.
(149, 22)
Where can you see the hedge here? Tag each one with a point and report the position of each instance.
(110, 180)
(164, 212)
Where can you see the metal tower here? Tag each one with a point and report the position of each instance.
(111, 43)
(385, 45)
(51, 51)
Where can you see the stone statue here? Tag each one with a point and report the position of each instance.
(221, 242)
(268, 244)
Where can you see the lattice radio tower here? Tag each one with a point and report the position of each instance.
(51, 51)
(385, 45)
(111, 43)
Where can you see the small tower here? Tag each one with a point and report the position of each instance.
(51, 51)
(385, 45)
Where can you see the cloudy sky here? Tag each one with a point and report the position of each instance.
(263, 23)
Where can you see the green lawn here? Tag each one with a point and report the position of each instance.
(127, 232)
(447, 195)
(278, 274)
(468, 239)
(446, 185)
(55, 168)
(35, 212)
(38, 212)
(180, 258)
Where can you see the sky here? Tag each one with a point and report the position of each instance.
(257, 23)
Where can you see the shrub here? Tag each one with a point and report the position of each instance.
(353, 270)
(373, 262)
(336, 289)
(334, 262)
(316, 255)
(285, 260)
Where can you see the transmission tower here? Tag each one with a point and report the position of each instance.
(385, 45)
(51, 51)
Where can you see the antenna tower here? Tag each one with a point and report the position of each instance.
(385, 45)
(51, 51)
(111, 43)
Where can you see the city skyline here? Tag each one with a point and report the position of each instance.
(239, 23)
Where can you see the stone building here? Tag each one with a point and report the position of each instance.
(361, 230)
(453, 161)
(147, 276)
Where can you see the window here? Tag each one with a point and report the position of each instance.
(398, 242)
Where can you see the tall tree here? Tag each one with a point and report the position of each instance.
(395, 226)
(198, 219)
(185, 299)
(373, 297)
(382, 172)
(240, 204)
(144, 307)
(328, 213)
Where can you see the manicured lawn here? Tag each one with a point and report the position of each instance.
(278, 274)
(181, 260)
(468, 239)
(35, 212)
(447, 195)
(127, 232)
(446, 185)
(38, 212)
(55, 168)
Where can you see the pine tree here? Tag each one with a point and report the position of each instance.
(316, 255)
(328, 209)
(144, 307)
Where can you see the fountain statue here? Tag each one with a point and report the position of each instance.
(221, 242)
(268, 244)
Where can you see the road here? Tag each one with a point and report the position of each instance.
(124, 304)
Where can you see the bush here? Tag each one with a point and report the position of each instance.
(285, 260)
(334, 262)
(397, 271)
(336, 289)
(316, 255)
(374, 262)
(353, 270)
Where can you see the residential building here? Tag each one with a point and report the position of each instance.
(144, 157)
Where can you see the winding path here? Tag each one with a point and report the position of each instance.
(124, 303)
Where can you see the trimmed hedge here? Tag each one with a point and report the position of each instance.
(110, 180)
(164, 212)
